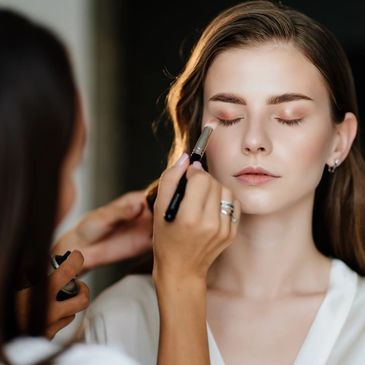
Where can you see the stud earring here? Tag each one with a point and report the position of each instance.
(332, 168)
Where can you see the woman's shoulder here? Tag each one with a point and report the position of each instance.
(27, 350)
(346, 275)
(359, 300)
(346, 278)
(349, 304)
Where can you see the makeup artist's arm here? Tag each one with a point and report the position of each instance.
(183, 252)
(113, 232)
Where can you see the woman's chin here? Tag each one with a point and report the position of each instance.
(258, 206)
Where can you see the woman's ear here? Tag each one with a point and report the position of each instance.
(345, 133)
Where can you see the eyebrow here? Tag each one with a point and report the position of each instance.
(228, 98)
(273, 100)
(284, 98)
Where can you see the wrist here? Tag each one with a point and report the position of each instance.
(168, 283)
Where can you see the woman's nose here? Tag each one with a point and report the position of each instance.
(255, 138)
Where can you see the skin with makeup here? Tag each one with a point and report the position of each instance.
(290, 289)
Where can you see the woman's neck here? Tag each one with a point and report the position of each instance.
(272, 256)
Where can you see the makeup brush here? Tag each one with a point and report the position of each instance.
(196, 155)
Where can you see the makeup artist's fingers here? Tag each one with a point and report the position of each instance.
(67, 271)
(210, 208)
(101, 221)
(196, 194)
(52, 330)
(62, 313)
(227, 227)
(225, 219)
(168, 184)
(222, 222)
(69, 307)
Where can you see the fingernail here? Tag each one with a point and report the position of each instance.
(197, 165)
(182, 159)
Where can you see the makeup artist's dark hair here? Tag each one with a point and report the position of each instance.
(339, 212)
(38, 105)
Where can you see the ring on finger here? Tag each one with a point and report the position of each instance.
(230, 213)
(227, 208)
(226, 211)
(226, 204)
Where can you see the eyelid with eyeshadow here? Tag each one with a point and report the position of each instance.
(228, 122)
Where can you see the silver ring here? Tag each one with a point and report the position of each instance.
(227, 208)
(226, 204)
(226, 211)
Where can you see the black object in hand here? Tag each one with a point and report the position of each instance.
(196, 155)
(72, 288)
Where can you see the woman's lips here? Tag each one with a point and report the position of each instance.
(255, 176)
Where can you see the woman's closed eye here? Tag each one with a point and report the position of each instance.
(289, 121)
(228, 122)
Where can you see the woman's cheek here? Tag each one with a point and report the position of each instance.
(311, 148)
(217, 158)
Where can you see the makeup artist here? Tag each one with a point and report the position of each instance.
(42, 134)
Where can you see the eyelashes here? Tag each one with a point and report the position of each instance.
(289, 121)
(229, 122)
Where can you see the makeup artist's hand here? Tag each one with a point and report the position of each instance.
(60, 313)
(183, 252)
(111, 233)
(188, 246)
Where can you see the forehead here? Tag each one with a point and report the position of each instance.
(269, 68)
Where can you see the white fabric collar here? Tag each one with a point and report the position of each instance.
(330, 317)
(327, 323)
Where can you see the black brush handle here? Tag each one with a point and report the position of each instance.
(178, 196)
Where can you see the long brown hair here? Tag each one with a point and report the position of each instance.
(339, 209)
(37, 120)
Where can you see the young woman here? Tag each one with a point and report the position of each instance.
(42, 134)
(290, 289)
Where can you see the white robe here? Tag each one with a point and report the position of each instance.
(125, 316)
(28, 350)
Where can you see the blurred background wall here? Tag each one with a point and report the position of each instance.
(125, 54)
(71, 21)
